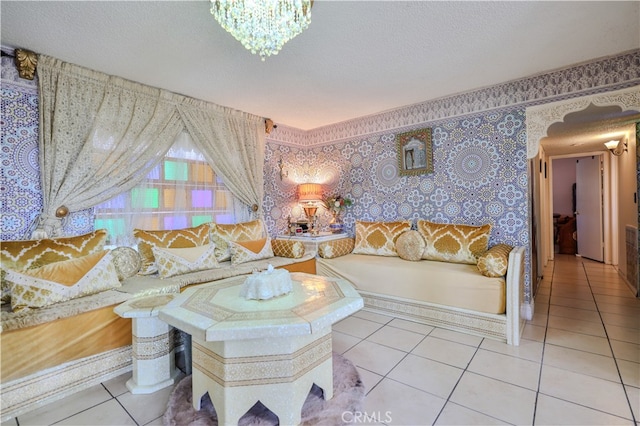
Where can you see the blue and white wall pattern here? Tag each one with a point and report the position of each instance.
(20, 173)
(480, 176)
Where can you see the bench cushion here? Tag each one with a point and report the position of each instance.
(449, 284)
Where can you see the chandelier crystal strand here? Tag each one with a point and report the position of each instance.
(263, 26)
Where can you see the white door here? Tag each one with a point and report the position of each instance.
(589, 208)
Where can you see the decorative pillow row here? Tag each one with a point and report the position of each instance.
(62, 280)
(179, 251)
(29, 254)
(492, 263)
(443, 242)
(219, 235)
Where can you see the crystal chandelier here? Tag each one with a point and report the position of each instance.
(263, 26)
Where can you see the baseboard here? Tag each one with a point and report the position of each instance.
(456, 319)
(28, 393)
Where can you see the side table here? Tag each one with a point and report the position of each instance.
(311, 242)
(152, 343)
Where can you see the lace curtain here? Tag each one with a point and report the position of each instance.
(100, 135)
(243, 165)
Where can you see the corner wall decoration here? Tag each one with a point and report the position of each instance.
(415, 154)
(26, 62)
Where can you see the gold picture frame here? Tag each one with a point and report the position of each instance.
(415, 153)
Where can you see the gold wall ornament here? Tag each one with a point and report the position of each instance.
(62, 211)
(26, 61)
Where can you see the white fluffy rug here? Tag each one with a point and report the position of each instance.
(348, 394)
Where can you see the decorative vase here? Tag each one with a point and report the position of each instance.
(335, 224)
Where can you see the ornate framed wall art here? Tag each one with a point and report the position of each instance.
(415, 154)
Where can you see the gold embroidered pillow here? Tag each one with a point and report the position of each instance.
(410, 245)
(60, 281)
(494, 262)
(288, 248)
(379, 238)
(177, 261)
(336, 248)
(29, 254)
(454, 243)
(246, 251)
(179, 238)
(222, 234)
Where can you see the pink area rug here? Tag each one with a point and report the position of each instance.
(348, 395)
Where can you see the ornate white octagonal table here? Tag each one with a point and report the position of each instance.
(272, 351)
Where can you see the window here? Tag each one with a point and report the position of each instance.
(180, 192)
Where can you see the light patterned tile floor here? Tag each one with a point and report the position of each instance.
(579, 364)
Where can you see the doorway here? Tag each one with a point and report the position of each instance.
(577, 203)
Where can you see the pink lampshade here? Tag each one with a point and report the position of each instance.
(308, 192)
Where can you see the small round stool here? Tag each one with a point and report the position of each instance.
(152, 344)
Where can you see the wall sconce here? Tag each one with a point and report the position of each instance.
(309, 194)
(616, 147)
(283, 173)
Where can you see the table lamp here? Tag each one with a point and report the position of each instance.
(309, 194)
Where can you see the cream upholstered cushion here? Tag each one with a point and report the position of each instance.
(410, 245)
(127, 262)
(246, 251)
(288, 248)
(60, 281)
(178, 238)
(177, 261)
(222, 234)
(454, 243)
(494, 262)
(379, 238)
(29, 254)
(336, 248)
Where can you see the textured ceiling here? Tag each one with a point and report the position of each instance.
(357, 58)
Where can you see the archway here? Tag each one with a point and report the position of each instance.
(539, 119)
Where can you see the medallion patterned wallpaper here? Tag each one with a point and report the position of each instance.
(480, 177)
